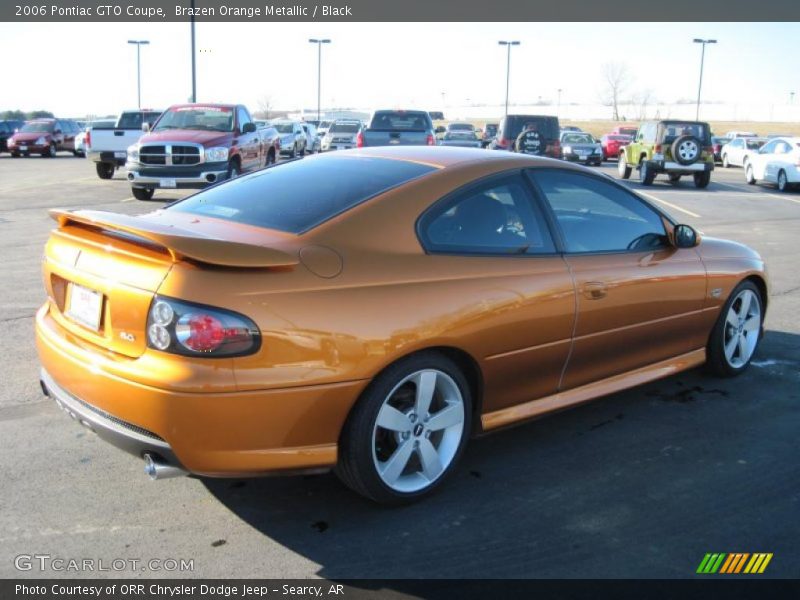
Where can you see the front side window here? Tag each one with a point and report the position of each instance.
(497, 217)
(769, 148)
(598, 216)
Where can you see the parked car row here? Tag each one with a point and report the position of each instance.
(45, 137)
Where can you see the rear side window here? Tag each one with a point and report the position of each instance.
(496, 217)
(597, 216)
(297, 196)
(407, 120)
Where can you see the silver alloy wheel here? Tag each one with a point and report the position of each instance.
(742, 328)
(688, 150)
(748, 174)
(418, 430)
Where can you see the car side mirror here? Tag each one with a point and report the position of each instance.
(685, 236)
(146, 127)
(249, 127)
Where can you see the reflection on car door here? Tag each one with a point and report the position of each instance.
(512, 295)
(639, 299)
(776, 160)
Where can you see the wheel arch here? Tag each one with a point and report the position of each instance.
(761, 284)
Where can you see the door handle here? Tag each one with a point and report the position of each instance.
(595, 290)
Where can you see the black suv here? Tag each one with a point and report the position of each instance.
(7, 129)
(512, 125)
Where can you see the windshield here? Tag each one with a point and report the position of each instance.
(207, 118)
(460, 135)
(461, 127)
(344, 128)
(284, 127)
(577, 138)
(296, 196)
(37, 127)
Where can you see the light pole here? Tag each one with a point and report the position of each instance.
(508, 44)
(319, 74)
(702, 59)
(558, 105)
(139, 44)
(194, 69)
(791, 97)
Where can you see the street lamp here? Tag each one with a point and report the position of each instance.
(319, 74)
(702, 59)
(139, 44)
(791, 97)
(508, 44)
(558, 105)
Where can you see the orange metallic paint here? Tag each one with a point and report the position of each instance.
(338, 304)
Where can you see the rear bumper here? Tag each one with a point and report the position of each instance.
(674, 167)
(107, 157)
(201, 430)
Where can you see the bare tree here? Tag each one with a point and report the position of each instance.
(264, 106)
(641, 101)
(616, 79)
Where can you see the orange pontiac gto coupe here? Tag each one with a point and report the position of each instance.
(369, 310)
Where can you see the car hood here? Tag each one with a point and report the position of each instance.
(29, 136)
(713, 248)
(206, 138)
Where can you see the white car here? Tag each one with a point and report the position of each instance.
(735, 151)
(778, 162)
(341, 135)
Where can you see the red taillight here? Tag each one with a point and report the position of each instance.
(360, 140)
(431, 141)
(658, 148)
(503, 142)
(709, 149)
(195, 330)
(88, 139)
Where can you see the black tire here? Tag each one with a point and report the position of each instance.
(105, 170)
(303, 151)
(686, 149)
(234, 170)
(725, 163)
(646, 173)
(15, 155)
(143, 193)
(293, 153)
(356, 467)
(622, 167)
(271, 157)
(701, 180)
(749, 176)
(674, 178)
(77, 153)
(716, 362)
(783, 182)
(50, 152)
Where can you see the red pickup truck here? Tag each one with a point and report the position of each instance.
(193, 146)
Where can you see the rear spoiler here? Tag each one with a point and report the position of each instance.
(180, 244)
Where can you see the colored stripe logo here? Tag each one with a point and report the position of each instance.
(733, 563)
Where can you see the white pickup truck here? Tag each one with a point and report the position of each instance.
(108, 147)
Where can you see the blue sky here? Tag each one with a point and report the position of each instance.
(90, 69)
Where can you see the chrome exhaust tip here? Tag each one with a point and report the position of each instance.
(155, 469)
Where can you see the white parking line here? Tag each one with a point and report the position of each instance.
(670, 204)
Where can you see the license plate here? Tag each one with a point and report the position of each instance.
(120, 155)
(23, 148)
(84, 306)
(167, 183)
(394, 141)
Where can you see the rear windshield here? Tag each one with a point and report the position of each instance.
(134, 120)
(407, 120)
(38, 127)
(628, 130)
(284, 127)
(460, 135)
(619, 138)
(344, 128)
(546, 126)
(577, 138)
(461, 127)
(674, 130)
(299, 195)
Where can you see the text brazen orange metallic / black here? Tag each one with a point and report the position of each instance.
(370, 310)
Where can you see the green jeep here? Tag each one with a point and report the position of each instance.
(673, 147)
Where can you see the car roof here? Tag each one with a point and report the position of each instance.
(447, 156)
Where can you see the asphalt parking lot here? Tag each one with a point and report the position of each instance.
(638, 484)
